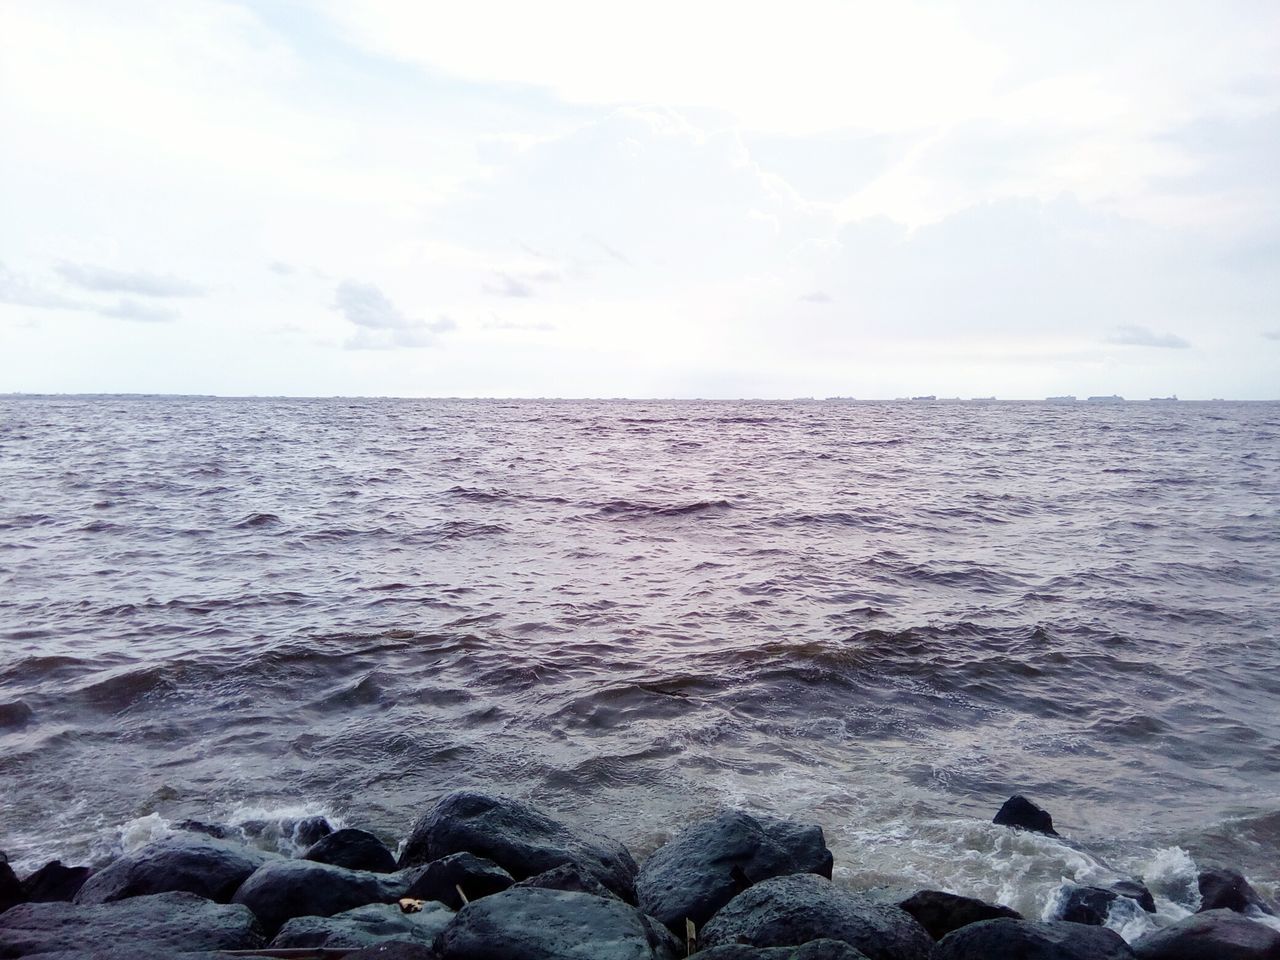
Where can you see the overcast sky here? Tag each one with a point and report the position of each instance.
(640, 199)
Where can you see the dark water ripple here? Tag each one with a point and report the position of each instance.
(885, 617)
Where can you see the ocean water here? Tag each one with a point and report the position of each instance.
(884, 618)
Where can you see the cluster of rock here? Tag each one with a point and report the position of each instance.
(488, 878)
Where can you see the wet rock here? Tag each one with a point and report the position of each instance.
(353, 849)
(440, 880)
(1137, 891)
(711, 862)
(172, 921)
(813, 950)
(288, 832)
(1215, 935)
(1027, 940)
(1093, 905)
(519, 838)
(54, 883)
(569, 877)
(363, 926)
(216, 830)
(208, 868)
(280, 890)
(394, 951)
(1229, 890)
(940, 913)
(1020, 812)
(531, 923)
(792, 910)
(10, 886)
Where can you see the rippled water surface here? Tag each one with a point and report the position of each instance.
(884, 617)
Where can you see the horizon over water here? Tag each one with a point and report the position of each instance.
(883, 617)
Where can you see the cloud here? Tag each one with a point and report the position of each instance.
(1272, 334)
(141, 312)
(20, 291)
(1136, 336)
(108, 280)
(505, 285)
(382, 326)
(497, 323)
(282, 268)
(817, 296)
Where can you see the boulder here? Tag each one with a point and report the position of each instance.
(532, 923)
(522, 840)
(209, 868)
(10, 886)
(440, 880)
(1215, 935)
(167, 921)
(54, 883)
(570, 877)
(813, 950)
(280, 890)
(216, 830)
(940, 913)
(1093, 905)
(363, 926)
(394, 950)
(1020, 812)
(792, 910)
(1136, 890)
(1027, 940)
(711, 862)
(1229, 890)
(353, 849)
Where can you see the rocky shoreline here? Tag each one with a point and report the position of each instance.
(488, 878)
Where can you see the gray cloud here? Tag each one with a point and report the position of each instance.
(282, 268)
(1272, 334)
(382, 325)
(20, 291)
(817, 296)
(107, 280)
(141, 312)
(505, 285)
(1135, 336)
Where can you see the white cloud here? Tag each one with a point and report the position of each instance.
(108, 280)
(381, 324)
(1136, 336)
(133, 310)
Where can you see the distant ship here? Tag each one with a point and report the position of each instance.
(1065, 399)
(929, 397)
(1164, 399)
(1111, 399)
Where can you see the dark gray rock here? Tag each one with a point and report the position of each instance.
(10, 886)
(280, 890)
(711, 862)
(531, 923)
(218, 831)
(940, 913)
(1020, 812)
(522, 840)
(1215, 935)
(353, 849)
(440, 880)
(1136, 890)
(173, 921)
(813, 950)
(394, 951)
(1026, 940)
(1093, 905)
(363, 926)
(570, 877)
(206, 867)
(789, 911)
(1229, 890)
(54, 883)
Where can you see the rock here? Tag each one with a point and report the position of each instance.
(792, 910)
(353, 849)
(209, 868)
(288, 832)
(10, 886)
(530, 923)
(1093, 905)
(364, 926)
(813, 950)
(216, 830)
(280, 890)
(54, 883)
(1229, 890)
(1215, 935)
(940, 913)
(1025, 940)
(394, 950)
(1020, 812)
(1136, 890)
(172, 921)
(711, 862)
(569, 877)
(522, 840)
(440, 880)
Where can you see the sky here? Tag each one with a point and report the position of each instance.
(658, 199)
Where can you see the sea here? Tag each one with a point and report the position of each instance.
(884, 618)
